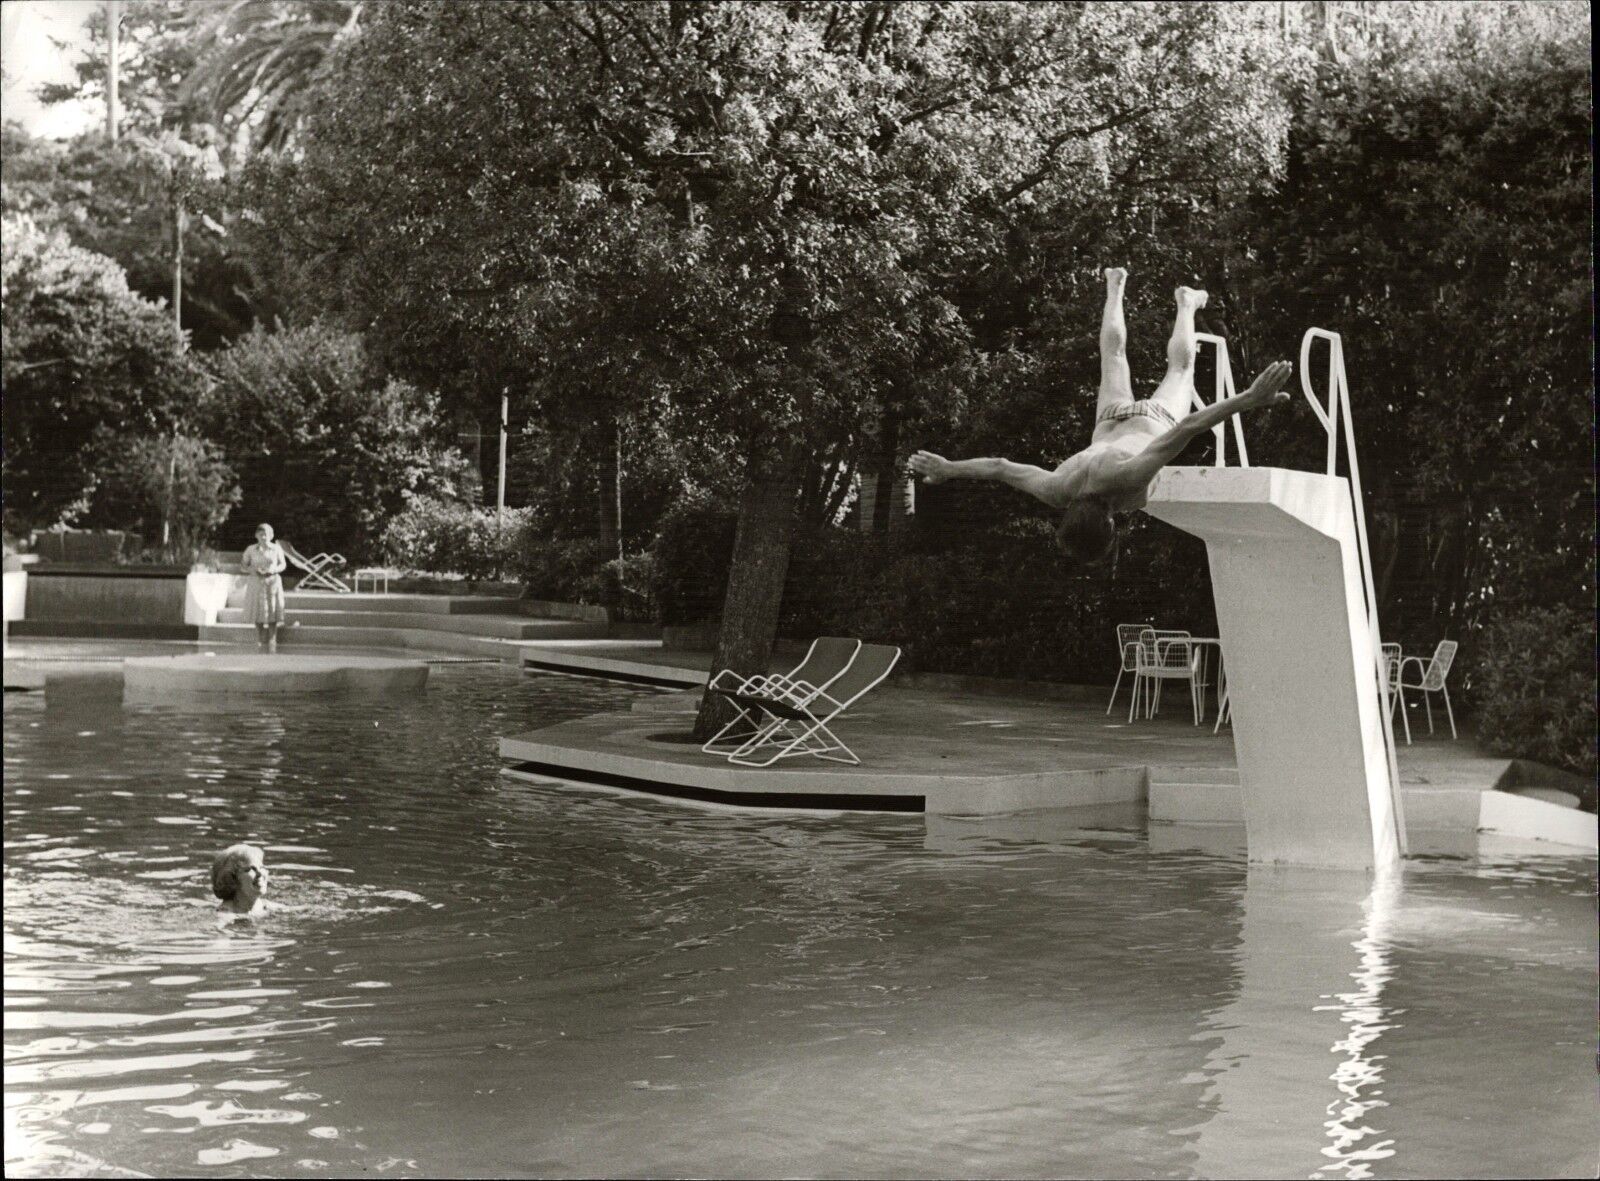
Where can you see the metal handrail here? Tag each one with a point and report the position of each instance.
(1333, 415)
(1223, 389)
(1336, 419)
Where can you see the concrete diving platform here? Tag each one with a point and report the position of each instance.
(263, 673)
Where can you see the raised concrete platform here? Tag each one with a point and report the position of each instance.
(432, 604)
(954, 754)
(637, 662)
(1311, 732)
(260, 673)
(484, 624)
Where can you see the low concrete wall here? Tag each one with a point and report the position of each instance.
(205, 595)
(548, 609)
(690, 637)
(106, 598)
(16, 603)
(82, 545)
(16, 595)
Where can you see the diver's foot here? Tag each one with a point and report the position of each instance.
(1116, 277)
(1191, 297)
(272, 646)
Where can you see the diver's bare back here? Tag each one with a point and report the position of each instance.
(1097, 469)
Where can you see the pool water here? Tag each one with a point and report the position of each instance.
(477, 976)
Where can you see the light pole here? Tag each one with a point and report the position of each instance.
(113, 36)
(500, 494)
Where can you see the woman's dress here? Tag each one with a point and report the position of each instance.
(263, 566)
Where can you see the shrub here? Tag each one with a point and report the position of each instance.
(80, 351)
(328, 448)
(1002, 603)
(585, 570)
(142, 481)
(692, 554)
(1535, 687)
(565, 569)
(631, 583)
(446, 538)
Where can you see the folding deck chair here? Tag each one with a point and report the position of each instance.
(824, 662)
(804, 727)
(317, 571)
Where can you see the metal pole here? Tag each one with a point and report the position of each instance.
(505, 416)
(172, 482)
(500, 495)
(113, 36)
(179, 216)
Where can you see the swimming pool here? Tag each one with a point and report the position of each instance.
(478, 976)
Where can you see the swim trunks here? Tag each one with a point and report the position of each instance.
(1123, 411)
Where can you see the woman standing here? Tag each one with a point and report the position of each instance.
(263, 565)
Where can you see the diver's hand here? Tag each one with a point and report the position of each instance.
(1267, 389)
(932, 468)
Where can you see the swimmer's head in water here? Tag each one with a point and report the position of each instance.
(1087, 532)
(239, 876)
(263, 533)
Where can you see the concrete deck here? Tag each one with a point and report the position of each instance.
(951, 752)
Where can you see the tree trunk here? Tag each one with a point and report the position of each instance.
(755, 579)
(765, 533)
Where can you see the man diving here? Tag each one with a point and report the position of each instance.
(1133, 438)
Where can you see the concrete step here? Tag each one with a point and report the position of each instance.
(418, 638)
(615, 666)
(1195, 803)
(1168, 774)
(501, 627)
(388, 604)
(1427, 809)
(86, 629)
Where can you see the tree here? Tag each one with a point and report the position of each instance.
(81, 351)
(113, 202)
(750, 219)
(328, 447)
(177, 489)
(256, 63)
(183, 170)
(1440, 193)
(153, 58)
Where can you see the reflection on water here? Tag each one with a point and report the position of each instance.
(1356, 1146)
(470, 975)
(1309, 1007)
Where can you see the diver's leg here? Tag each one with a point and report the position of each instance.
(1176, 391)
(1116, 383)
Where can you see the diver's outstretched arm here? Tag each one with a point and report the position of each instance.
(1024, 477)
(1137, 471)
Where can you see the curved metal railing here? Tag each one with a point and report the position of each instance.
(1224, 389)
(1337, 420)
